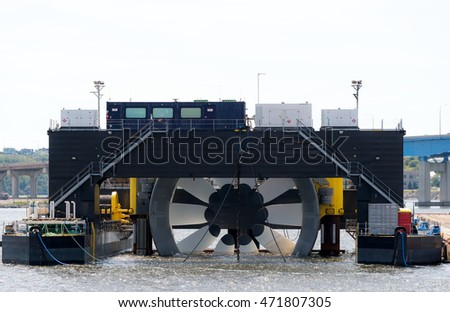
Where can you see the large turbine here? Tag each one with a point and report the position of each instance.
(249, 212)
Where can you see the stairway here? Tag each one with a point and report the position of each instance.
(98, 169)
(352, 169)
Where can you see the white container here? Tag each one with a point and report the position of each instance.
(383, 219)
(78, 118)
(283, 115)
(343, 118)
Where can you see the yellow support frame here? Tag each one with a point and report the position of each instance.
(336, 208)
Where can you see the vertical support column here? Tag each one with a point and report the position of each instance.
(133, 194)
(33, 182)
(445, 181)
(142, 244)
(330, 236)
(97, 211)
(2, 175)
(34, 175)
(14, 185)
(424, 181)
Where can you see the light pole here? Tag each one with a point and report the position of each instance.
(357, 84)
(99, 85)
(259, 74)
(440, 117)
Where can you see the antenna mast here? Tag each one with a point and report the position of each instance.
(99, 85)
(357, 84)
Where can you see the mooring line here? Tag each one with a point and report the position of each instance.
(38, 233)
(84, 250)
(212, 222)
(267, 219)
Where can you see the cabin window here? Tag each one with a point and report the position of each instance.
(135, 112)
(191, 112)
(162, 112)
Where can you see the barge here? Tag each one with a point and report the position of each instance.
(400, 249)
(60, 241)
(43, 239)
(389, 236)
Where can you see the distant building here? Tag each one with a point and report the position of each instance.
(23, 151)
(411, 179)
(9, 150)
(26, 151)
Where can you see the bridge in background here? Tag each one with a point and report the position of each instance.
(433, 152)
(15, 170)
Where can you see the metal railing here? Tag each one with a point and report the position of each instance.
(350, 168)
(351, 226)
(135, 140)
(372, 179)
(100, 168)
(366, 229)
(172, 124)
(81, 177)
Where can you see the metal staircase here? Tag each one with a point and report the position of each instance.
(352, 169)
(99, 168)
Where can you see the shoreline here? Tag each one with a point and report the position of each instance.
(22, 202)
(414, 194)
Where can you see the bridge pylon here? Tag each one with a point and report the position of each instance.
(425, 168)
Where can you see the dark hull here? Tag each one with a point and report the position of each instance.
(61, 249)
(415, 250)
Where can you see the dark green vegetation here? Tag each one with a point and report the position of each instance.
(410, 163)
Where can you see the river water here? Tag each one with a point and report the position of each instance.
(131, 273)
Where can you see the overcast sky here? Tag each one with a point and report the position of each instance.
(52, 51)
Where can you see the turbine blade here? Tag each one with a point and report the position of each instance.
(199, 188)
(186, 214)
(274, 187)
(225, 245)
(247, 245)
(272, 240)
(289, 197)
(285, 214)
(199, 240)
